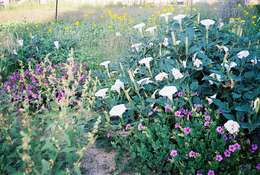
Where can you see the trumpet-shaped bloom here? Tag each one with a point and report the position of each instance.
(165, 42)
(161, 76)
(177, 74)
(117, 86)
(168, 91)
(232, 127)
(118, 110)
(105, 64)
(179, 18)
(215, 76)
(211, 98)
(139, 26)
(101, 93)
(151, 30)
(166, 16)
(207, 23)
(243, 54)
(144, 81)
(223, 48)
(20, 42)
(56, 44)
(230, 65)
(146, 61)
(197, 63)
(136, 46)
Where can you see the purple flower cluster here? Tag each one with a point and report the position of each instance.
(207, 119)
(29, 84)
(182, 113)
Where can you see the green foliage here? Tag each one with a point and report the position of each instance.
(215, 69)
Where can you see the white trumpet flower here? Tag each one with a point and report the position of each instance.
(166, 16)
(118, 110)
(168, 91)
(136, 46)
(139, 27)
(232, 127)
(197, 63)
(144, 81)
(20, 42)
(146, 61)
(161, 76)
(179, 18)
(101, 93)
(214, 76)
(177, 74)
(151, 30)
(105, 64)
(243, 54)
(117, 86)
(207, 23)
(56, 44)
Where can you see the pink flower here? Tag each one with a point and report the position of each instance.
(218, 158)
(211, 172)
(127, 127)
(140, 127)
(173, 153)
(232, 148)
(206, 124)
(207, 118)
(177, 125)
(187, 130)
(237, 146)
(193, 154)
(220, 130)
(178, 114)
(227, 153)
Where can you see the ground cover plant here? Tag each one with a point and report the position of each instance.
(174, 94)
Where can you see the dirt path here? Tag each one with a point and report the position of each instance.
(98, 162)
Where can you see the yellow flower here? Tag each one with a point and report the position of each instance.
(50, 30)
(77, 23)
(66, 27)
(253, 17)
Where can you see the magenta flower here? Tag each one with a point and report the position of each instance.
(173, 153)
(211, 172)
(237, 146)
(193, 154)
(218, 158)
(178, 114)
(232, 148)
(187, 130)
(220, 130)
(254, 148)
(227, 153)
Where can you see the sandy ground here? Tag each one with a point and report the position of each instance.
(98, 162)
